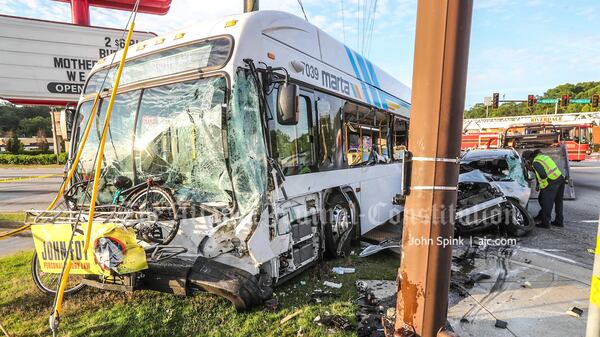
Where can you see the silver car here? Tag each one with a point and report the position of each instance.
(504, 168)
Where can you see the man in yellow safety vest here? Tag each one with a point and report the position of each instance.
(551, 183)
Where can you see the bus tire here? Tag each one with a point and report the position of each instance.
(338, 227)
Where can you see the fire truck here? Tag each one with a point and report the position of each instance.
(575, 131)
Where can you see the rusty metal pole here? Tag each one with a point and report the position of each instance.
(250, 6)
(439, 80)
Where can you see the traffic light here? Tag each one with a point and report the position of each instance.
(595, 101)
(564, 101)
(495, 100)
(530, 100)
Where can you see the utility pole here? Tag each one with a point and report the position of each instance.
(250, 6)
(438, 97)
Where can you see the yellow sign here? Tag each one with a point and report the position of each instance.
(113, 249)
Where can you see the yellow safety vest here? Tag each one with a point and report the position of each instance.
(552, 171)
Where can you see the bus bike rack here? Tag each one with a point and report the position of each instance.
(106, 214)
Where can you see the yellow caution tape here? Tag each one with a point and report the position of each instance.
(595, 291)
(10, 180)
(16, 231)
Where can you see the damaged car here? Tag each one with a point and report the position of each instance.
(493, 192)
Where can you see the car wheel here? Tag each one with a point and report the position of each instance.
(517, 219)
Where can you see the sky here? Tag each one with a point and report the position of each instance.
(518, 47)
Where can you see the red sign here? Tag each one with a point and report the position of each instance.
(80, 9)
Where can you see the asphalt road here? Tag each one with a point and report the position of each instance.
(31, 193)
(20, 195)
(581, 218)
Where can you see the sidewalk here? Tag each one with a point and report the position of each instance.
(530, 289)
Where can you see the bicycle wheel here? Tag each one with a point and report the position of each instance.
(48, 282)
(159, 201)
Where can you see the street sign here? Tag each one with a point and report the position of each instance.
(487, 101)
(580, 101)
(44, 62)
(547, 100)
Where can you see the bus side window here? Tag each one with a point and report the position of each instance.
(291, 144)
(328, 133)
(366, 133)
(399, 137)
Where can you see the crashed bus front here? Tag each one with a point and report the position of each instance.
(268, 167)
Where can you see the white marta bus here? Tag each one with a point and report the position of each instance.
(277, 142)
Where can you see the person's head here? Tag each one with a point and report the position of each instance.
(528, 156)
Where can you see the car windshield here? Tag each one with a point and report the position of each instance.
(504, 167)
(172, 131)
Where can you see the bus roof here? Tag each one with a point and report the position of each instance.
(281, 39)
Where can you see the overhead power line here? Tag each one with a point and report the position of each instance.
(302, 7)
(343, 21)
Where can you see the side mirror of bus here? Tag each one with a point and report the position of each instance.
(66, 121)
(287, 104)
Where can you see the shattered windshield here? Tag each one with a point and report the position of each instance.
(247, 151)
(499, 168)
(172, 131)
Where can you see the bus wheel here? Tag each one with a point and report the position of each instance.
(339, 229)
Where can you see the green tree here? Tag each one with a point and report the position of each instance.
(30, 126)
(575, 91)
(13, 144)
(11, 116)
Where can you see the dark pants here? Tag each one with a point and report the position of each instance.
(549, 196)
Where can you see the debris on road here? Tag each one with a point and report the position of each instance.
(343, 270)
(526, 284)
(575, 312)
(501, 324)
(335, 321)
(383, 245)
(290, 317)
(332, 284)
(477, 277)
(318, 295)
(376, 305)
(371, 326)
(273, 304)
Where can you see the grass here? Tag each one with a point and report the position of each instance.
(11, 219)
(24, 311)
